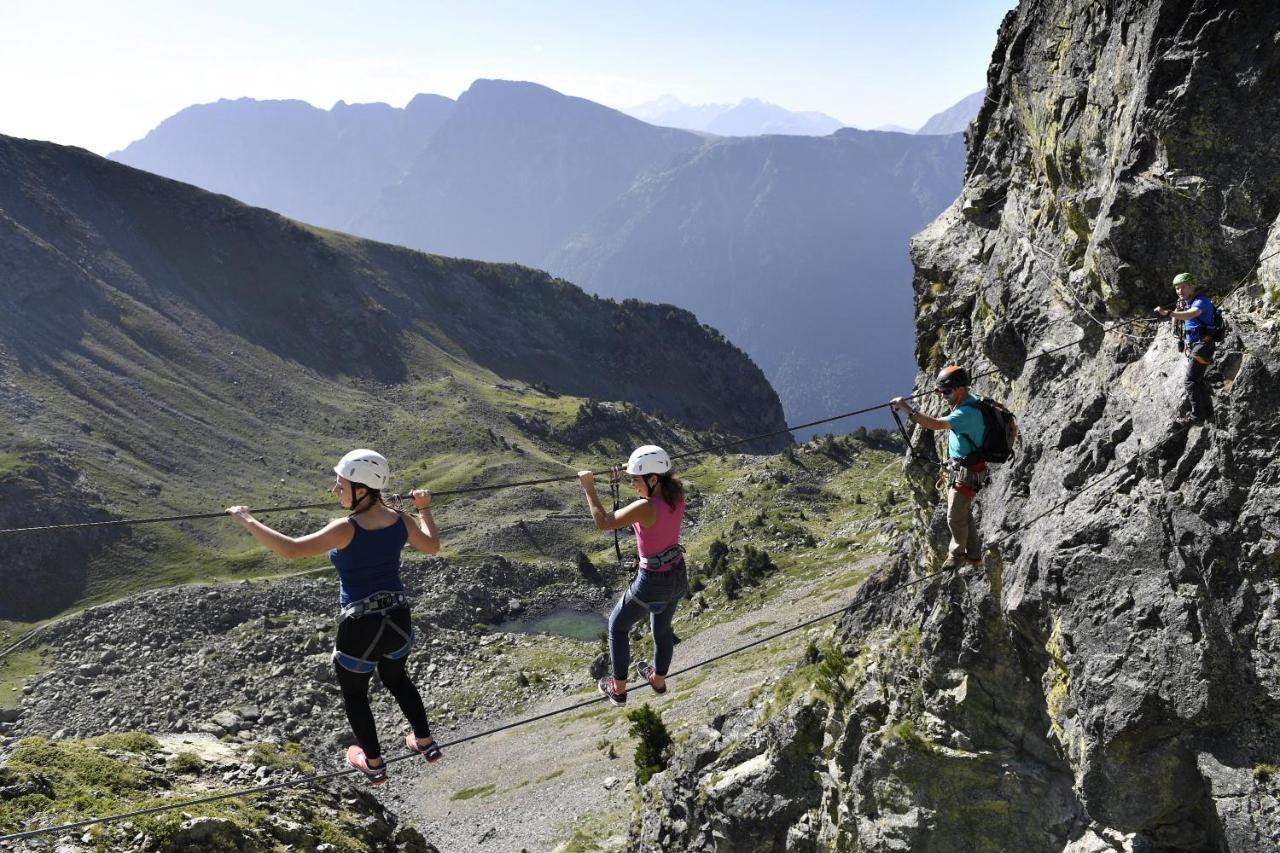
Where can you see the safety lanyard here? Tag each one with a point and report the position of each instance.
(615, 488)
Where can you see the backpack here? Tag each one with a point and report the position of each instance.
(1220, 329)
(999, 435)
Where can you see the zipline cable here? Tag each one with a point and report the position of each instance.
(463, 490)
(852, 605)
(540, 481)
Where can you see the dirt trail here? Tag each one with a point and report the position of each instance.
(529, 788)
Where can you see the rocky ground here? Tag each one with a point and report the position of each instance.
(245, 666)
(144, 664)
(570, 779)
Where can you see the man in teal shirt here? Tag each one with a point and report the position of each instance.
(966, 430)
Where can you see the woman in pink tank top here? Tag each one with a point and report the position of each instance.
(660, 581)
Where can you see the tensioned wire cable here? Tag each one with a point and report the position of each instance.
(31, 634)
(464, 490)
(541, 481)
(556, 479)
(851, 606)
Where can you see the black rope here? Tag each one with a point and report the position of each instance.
(615, 491)
(852, 605)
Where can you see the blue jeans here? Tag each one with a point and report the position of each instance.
(656, 594)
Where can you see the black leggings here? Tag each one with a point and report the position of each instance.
(354, 637)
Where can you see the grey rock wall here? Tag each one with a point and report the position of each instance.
(1108, 680)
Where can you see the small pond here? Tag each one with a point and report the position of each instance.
(563, 622)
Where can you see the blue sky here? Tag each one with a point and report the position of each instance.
(100, 75)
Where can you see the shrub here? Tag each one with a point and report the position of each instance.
(290, 757)
(187, 762)
(717, 555)
(755, 565)
(831, 674)
(812, 654)
(127, 742)
(653, 750)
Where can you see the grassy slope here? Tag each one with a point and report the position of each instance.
(166, 351)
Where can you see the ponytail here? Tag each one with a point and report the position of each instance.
(372, 497)
(672, 489)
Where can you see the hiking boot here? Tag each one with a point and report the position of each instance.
(950, 563)
(605, 686)
(971, 560)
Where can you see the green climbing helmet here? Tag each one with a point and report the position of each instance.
(1184, 278)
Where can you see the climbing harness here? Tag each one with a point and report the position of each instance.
(658, 562)
(951, 476)
(380, 604)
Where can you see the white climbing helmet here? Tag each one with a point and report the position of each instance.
(366, 467)
(648, 459)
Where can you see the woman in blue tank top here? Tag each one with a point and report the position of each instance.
(374, 629)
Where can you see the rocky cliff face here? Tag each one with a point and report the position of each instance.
(1108, 680)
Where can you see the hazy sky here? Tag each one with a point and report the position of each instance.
(101, 74)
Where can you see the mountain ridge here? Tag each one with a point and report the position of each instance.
(748, 117)
(159, 339)
(519, 172)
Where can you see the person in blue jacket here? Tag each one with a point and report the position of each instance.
(966, 430)
(1198, 341)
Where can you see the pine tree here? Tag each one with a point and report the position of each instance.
(653, 750)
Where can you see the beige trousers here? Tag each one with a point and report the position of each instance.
(964, 532)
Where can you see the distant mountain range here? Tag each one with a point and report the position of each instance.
(794, 246)
(751, 117)
(748, 117)
(956, 118)
(167, 350)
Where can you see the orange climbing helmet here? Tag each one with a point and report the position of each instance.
(951, 377)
